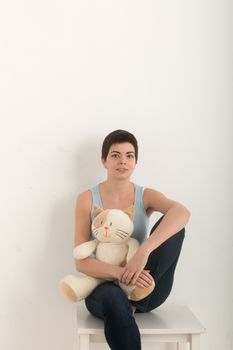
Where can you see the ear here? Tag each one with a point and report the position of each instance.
(97, 211)
(103, 162)
(130, 212)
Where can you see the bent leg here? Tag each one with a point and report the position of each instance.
(111, 304)
(162, 263)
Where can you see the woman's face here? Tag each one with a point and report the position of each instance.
(121, 160)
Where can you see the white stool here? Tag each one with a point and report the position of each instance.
(167, 324)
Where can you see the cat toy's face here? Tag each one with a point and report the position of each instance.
(113, 225)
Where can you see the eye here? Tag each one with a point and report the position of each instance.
(101, 223)
(110, 223)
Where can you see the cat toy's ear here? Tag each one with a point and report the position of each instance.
(130, 212)
(97, 211)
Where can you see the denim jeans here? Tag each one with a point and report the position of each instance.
(111, 304)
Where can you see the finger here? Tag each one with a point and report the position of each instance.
(123, 277)
(138, 284)
(129, 277)
(143, 283)
(147, 272)
(146, 282)
(135, 277)
(147, 275)
(126, 278)
(125, 274)
(146, 278)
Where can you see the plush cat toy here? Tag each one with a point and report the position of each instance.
(112, 229)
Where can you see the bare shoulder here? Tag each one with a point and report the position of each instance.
(84, 199)
(83, 217)
(156, 201)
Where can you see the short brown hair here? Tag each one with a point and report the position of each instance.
(119, 136)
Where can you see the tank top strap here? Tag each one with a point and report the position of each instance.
(138, 201)
(96, 199)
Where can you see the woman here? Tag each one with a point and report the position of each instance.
(156, 257)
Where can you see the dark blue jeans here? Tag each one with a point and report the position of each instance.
(111, 304)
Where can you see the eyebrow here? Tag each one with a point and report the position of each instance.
(120, 152)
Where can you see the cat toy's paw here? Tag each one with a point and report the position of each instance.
(67, 291)
(141, 293)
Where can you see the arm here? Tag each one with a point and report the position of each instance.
(90, 266)
(175, 218)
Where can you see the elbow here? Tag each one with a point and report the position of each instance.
(78, 265)
(187, 214)
(184, 211)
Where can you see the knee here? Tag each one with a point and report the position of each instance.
(173, 243)
(181, 233)
(115, 297)
(108, 299)
(177, 239)
(117, 305)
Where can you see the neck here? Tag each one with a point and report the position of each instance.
(118, 188)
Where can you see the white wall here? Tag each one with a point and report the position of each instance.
(72, 71)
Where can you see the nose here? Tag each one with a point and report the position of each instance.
(122, 160)
(106, 227)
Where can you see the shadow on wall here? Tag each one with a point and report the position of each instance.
(43, 318)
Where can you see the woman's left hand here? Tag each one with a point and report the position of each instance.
(134, 267)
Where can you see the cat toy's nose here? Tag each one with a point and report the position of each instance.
(106, 233)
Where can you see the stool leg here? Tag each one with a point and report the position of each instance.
(195, 342)
(84, 342)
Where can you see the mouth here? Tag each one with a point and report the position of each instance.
(122, 169)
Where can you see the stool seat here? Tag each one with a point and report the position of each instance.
(170, 323)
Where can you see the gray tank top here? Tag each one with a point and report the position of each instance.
(141, 220)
